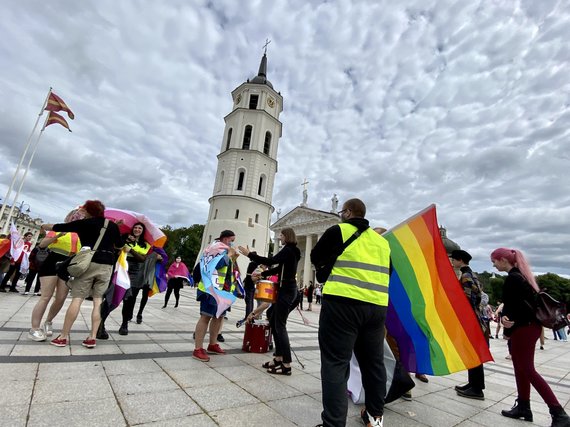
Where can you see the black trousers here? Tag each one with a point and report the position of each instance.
(249, 294)
(129, 303)
(14, 269)
(30, 280)
(173, 285)
(476, 378)
(344, 328)
(278, 322)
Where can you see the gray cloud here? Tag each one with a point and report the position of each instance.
(450, 102)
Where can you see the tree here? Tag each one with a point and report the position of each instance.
(184, 242)
(558, 287)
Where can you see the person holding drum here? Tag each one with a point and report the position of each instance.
(285, 265)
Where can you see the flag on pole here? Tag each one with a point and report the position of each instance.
(54, 118)
(17, 243)
(428, 314)
(55, 103)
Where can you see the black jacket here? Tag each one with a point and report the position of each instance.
(284, 262)
(518, 299)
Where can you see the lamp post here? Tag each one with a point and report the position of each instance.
(20, 213)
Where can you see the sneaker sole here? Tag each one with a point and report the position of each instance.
(89, 345)
(36, 339)
(201, 360)
(214, 352)
(58, 345)
(471, 397)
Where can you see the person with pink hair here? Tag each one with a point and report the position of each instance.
(520, 324)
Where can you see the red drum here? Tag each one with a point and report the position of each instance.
(257, 337)
(266, 291)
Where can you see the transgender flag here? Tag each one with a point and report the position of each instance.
(212, 255)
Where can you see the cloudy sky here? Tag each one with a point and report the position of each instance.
(465, 104)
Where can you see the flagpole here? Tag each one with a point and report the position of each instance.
(27, 168)
(3, 208)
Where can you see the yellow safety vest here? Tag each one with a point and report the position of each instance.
(362, 271)
(220, 279)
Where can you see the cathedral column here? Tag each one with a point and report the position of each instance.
(307, 271)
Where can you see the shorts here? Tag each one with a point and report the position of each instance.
(94, 281)
(48, 268)
(208, 304)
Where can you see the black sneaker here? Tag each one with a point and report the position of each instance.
(462, 387)
(102, 334)
(221, 338)
(471, 394)
(124, 330)
(139, 319)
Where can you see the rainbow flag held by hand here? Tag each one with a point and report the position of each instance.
(428, 313)
(159, 283)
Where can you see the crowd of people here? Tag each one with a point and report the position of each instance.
(354, 301)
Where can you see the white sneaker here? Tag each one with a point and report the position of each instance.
(48, 329)
(36, 335)
(26, 293)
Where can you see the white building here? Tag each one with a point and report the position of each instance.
(247, 164)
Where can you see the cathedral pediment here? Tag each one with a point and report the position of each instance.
(303, 219)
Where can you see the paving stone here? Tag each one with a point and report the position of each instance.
(86, 388)
(144, 408)
(14, 415)
(85, 413)
(200, 420)
(220, 396)
(301, 410)
(267, 388)
(128, 367)
(179, 363)
(18, 371)
(40, 349)
(70, 370)
(198, 377)
(141, 348)
(153, 382)
(16, 392)
(250, 415)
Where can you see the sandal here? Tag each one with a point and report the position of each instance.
(272, 364)
(280, 370)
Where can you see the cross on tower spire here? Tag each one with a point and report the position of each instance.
(267, 41)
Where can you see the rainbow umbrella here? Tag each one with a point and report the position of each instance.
(153, 235)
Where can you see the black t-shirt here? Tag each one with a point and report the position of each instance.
(88, 230)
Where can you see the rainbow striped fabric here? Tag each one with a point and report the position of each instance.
(428, 314)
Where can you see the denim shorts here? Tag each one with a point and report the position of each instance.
(208, 304)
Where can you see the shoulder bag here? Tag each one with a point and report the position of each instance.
(82, 259)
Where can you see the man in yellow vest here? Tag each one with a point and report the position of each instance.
(354, 305)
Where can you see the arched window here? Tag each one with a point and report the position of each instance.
(257, 218)
(216, 214)
(229, 140)
(237, 214)
(221, 182)
(267, 143)
(241, 178)
(247, 137)
(253, 243)
(261, 186)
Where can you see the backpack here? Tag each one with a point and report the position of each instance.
(549, 312)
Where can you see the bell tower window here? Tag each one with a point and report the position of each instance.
(267, 143)
(247, 137)
(229, 140)
(253, 99)
(241, 178)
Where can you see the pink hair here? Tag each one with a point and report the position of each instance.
(517, 259)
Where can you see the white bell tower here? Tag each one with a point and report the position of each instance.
(247, 164)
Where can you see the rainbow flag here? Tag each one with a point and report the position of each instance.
(208, 262)
(428, 313)
(159, 283)
(121, 281)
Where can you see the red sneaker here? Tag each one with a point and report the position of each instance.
(200, 354)
(89, 343)
(59, 342)
(215, 349)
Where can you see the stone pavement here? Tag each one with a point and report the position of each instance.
(149, 377)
